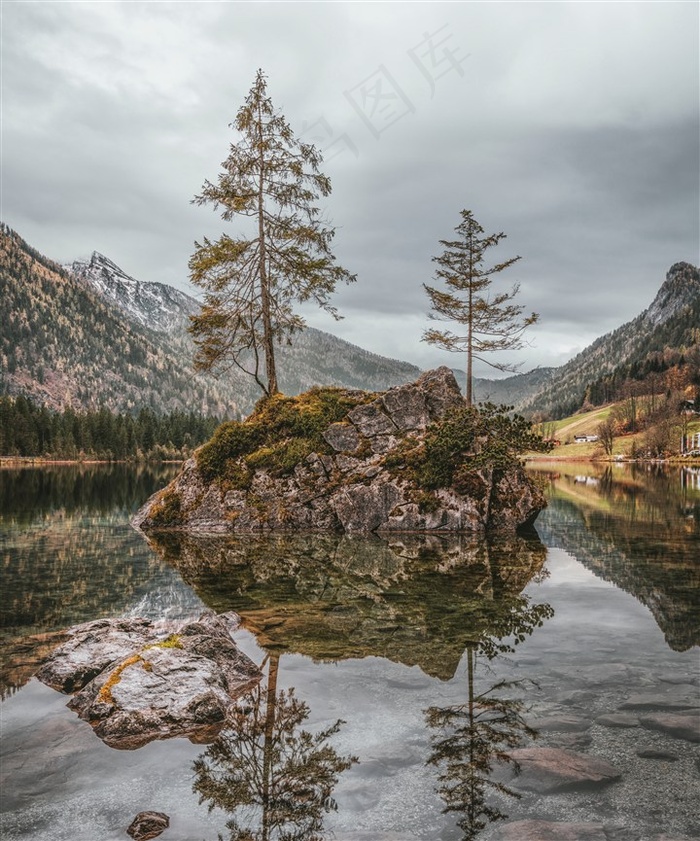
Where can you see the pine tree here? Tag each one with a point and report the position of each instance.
(492, 323)
(251, 282)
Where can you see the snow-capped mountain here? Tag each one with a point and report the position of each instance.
(154, 305)
(315, 356)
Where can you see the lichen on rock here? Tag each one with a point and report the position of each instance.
(413, 458)
(134, 683)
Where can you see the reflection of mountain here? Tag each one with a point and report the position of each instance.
(643, 537)
(418, 601)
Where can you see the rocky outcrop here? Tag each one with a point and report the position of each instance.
(356, 481)
(136, 681)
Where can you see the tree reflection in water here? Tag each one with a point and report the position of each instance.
(416, 600)
(274, 778)
(470, 738)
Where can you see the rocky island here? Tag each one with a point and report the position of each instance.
(411, 459)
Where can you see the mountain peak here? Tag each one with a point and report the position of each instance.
(100, 261)
(154, 305)
(681, 285)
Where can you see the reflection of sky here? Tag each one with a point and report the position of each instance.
(584, 604)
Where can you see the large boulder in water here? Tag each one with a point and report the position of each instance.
(354, 462)
(136, 681)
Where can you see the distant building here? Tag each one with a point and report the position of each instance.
(585, 439)
(690, 444)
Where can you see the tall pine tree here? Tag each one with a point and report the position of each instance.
(490, 322)
(251, 282)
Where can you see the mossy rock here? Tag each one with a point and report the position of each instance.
(280, 433)
(167, 511)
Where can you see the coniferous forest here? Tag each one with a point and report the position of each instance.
(29, 430)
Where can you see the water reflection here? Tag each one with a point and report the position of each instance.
(473, 736)
(272, 777)
(469, 739)
(69, 556)
(418, 601)
(415, 600)
(638, 528)
(29, 493)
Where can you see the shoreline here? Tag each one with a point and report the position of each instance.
(39, 461)
(673, 461)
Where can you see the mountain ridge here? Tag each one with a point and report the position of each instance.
(140, 352)
(64, 329)
(157, 306)
(671, 321)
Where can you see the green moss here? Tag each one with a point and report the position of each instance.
(230, 441)
(281, 433)
(173, 641)
(237, 476)
(167, 511)
(282, 458)
(464, 441)
(427, 502)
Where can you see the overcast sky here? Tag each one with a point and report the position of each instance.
(571, 127)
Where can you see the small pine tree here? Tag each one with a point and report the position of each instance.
(492, 323)
(252, 282)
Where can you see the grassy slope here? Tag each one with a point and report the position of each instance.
(586, 423)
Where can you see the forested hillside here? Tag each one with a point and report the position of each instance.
(93, 336)
(657, 351)
(28, 430)
(515, 390)
(62, 345)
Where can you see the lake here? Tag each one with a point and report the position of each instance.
(418, 668)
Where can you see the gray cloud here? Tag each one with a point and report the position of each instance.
(573, 128)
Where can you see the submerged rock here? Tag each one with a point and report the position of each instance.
(655, 753)
(147, 825)
(561, 722)
(618, 720)
(530, 830)
(680, 726)
(661, 702)
(547, 770)
(136, 682)
(342, 461)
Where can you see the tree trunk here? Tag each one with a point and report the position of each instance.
(469, 398)
(270, 711)
(470, 326)
(268, 342)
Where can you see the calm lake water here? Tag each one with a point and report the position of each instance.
(597, 613)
